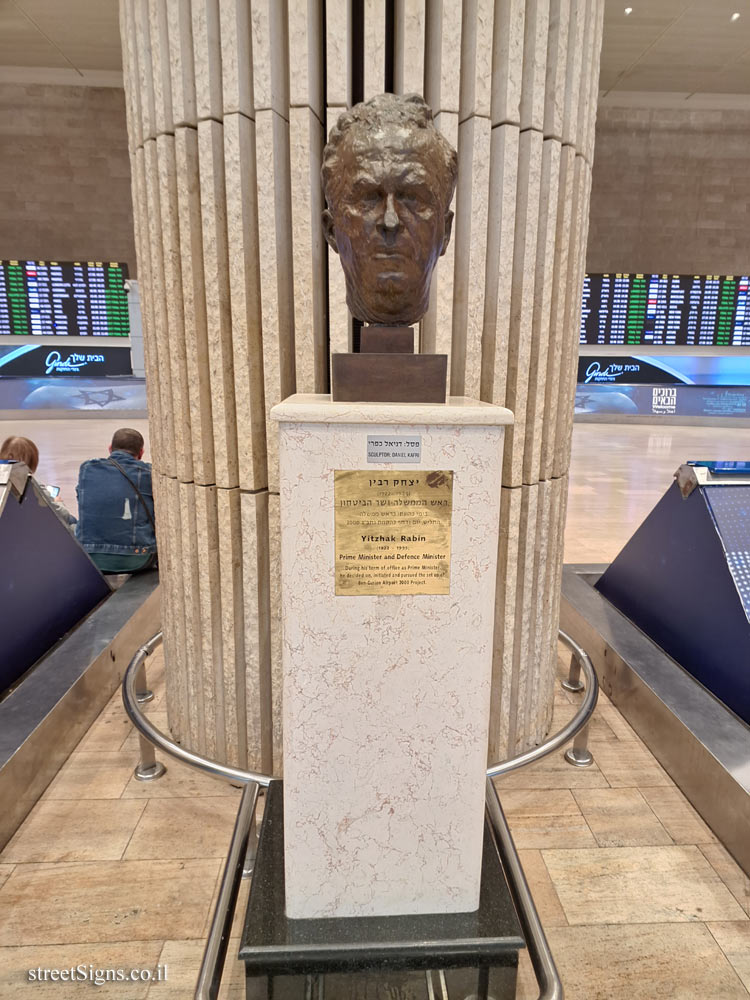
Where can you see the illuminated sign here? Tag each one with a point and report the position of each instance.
(49, 298)
(665, 309)
(38, 359)
(662, 400)
(611, 373)
(72, 364)
(604, 370)
(664, 369)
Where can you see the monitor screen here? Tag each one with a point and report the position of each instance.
(49, 298)
(666, 309)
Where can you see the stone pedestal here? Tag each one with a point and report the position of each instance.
(381, 959)
(386, 695)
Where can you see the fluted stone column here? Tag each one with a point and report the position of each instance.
(229, 103)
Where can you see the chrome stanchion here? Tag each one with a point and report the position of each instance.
(573, 681)
(252, 847)
(148, 767)
(143, 693)
(579, 754)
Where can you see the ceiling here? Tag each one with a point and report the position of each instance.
(671, 51)
(664, 52)
(60, 41)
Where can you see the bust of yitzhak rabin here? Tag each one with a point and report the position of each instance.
(389, 177)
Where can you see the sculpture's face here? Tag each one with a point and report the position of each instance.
(389, 223)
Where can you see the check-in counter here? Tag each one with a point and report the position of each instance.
(47, 584)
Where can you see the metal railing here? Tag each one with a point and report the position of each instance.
(578, 724)
(242, 844)
(545, 970)
(157, 738)
(214, 956)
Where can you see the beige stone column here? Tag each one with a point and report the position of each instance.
(229, 103)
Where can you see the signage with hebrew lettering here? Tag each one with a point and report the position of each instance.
(393, 532)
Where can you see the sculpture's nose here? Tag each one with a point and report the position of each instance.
(391, 220)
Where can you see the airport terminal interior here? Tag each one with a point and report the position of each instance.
(308, 810)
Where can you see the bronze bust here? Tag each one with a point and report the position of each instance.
(388, 176)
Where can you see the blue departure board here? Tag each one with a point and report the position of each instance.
(49, 298)
(666, 309)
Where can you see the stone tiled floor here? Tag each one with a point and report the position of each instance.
(638, 899)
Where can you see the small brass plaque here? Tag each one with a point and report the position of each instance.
(393, 532)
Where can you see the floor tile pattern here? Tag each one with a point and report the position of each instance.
(638, 899)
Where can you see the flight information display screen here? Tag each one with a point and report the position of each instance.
(47, 298)
(666, 309)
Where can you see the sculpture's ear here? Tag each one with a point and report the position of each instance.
(447, 233)
(328, 230)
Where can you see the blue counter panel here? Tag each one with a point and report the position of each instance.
(682, 580)
(730, 508)
(47, 585)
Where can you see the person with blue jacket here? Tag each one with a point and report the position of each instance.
(116, 507)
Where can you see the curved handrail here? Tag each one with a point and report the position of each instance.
(547, 976)
(566, 734)
(215, 952)
(143, 724)
(545, 970)
(154, 735)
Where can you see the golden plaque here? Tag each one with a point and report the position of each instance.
(393, 532)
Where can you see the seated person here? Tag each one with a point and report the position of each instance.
(21, 449)
(116, 507)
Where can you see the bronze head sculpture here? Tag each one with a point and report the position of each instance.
(388, 176)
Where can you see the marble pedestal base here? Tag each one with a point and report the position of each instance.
(370, 958)
(386, 697)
